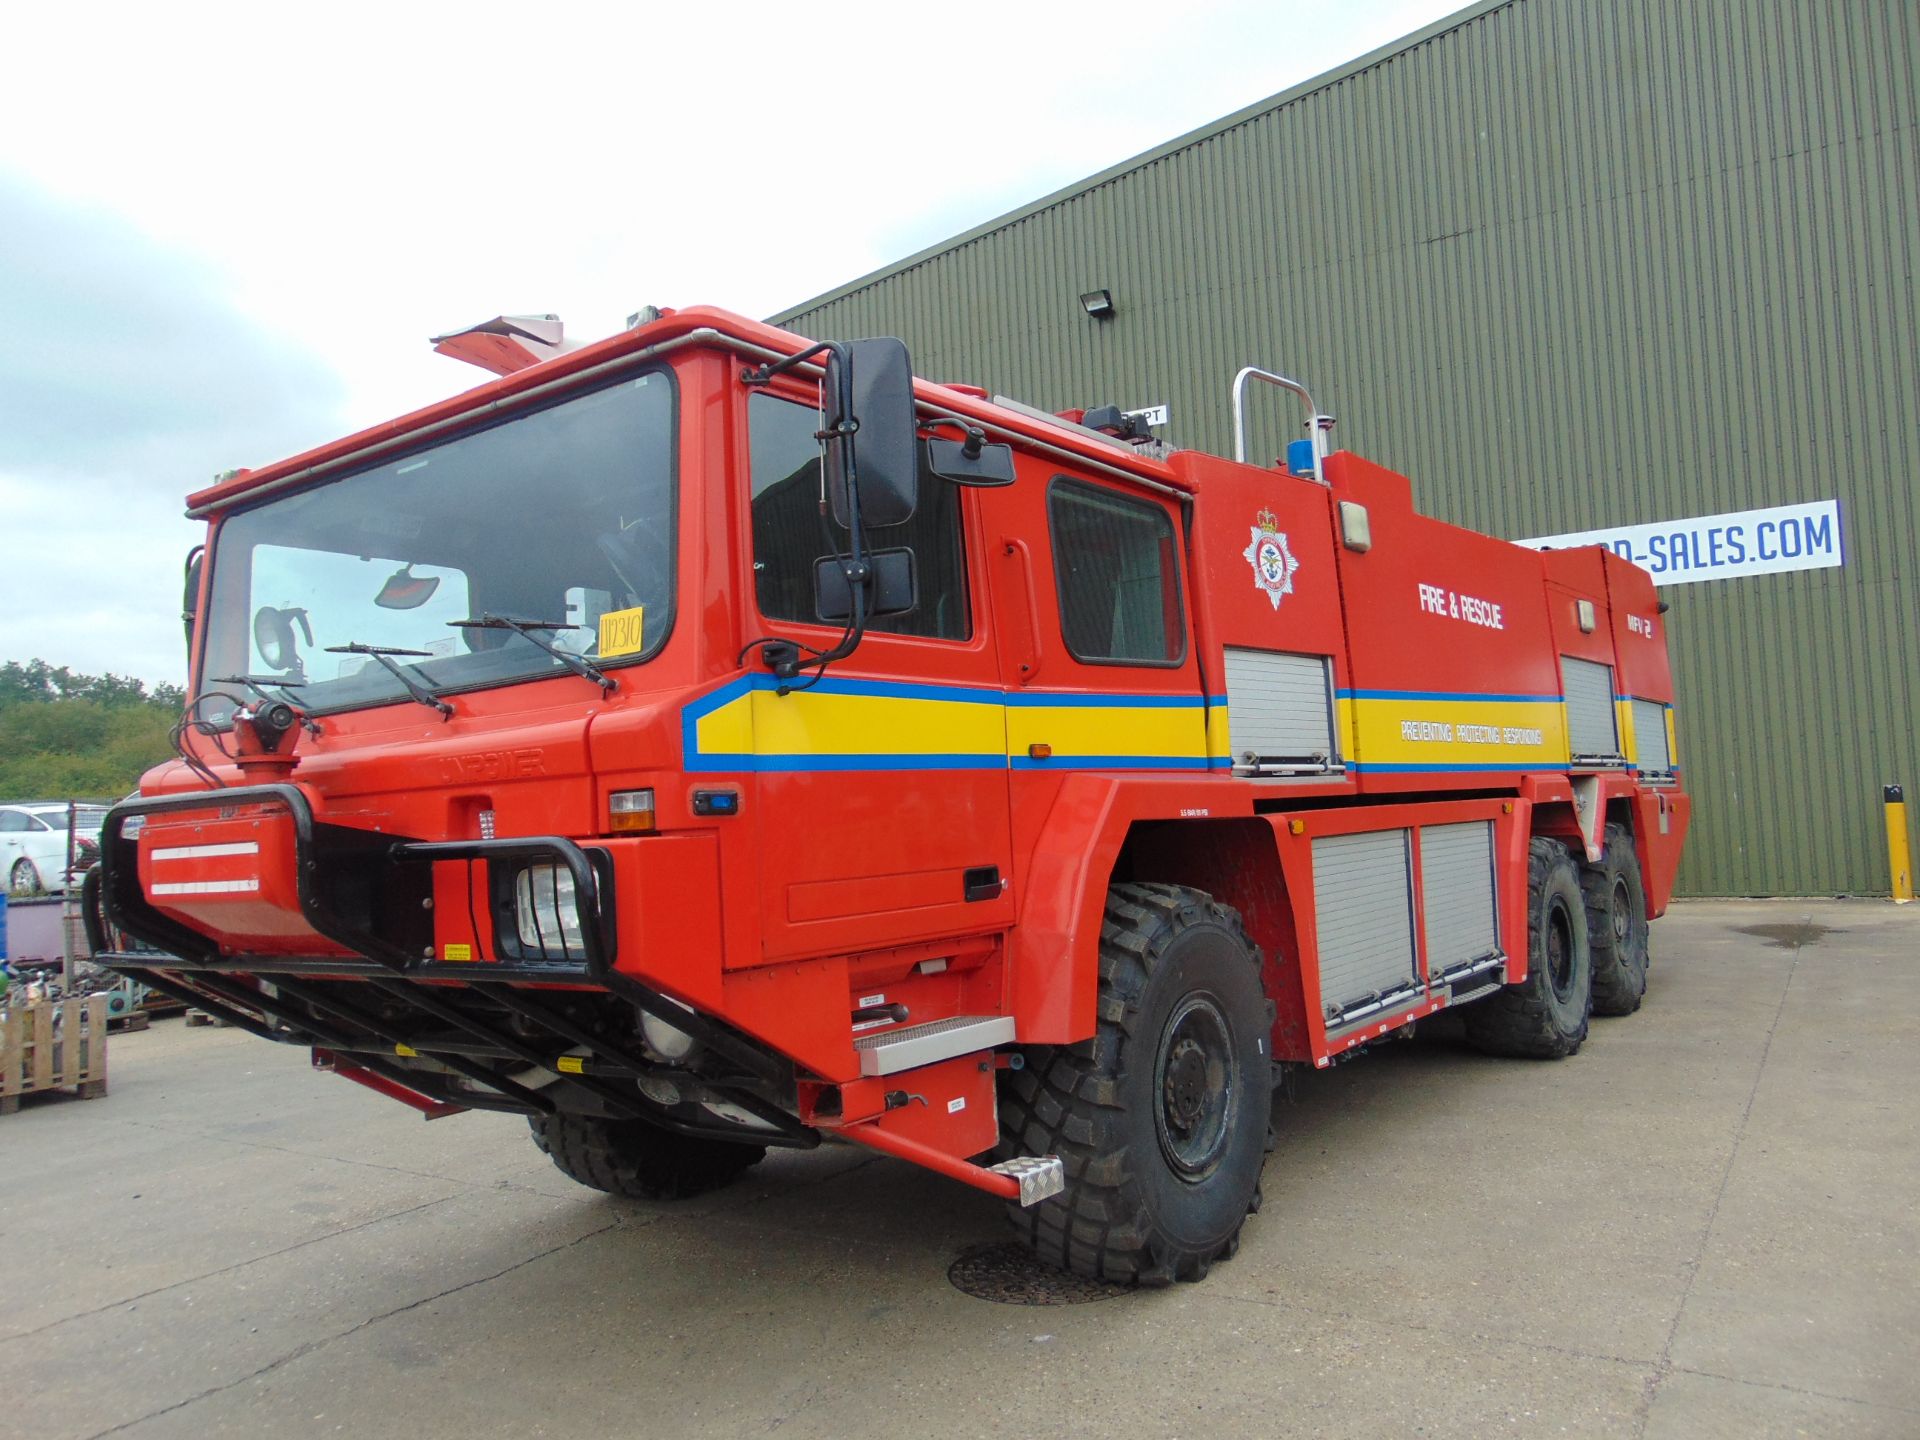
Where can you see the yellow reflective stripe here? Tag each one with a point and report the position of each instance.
(1464, 732)
(832, 725)
(1145, 732)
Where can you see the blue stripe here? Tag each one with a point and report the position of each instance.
(792, 763)
(1452, 695)
(696, 762)
(957, 694)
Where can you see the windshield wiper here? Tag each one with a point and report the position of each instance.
(382, 653)
(258, 684)
(581, 667)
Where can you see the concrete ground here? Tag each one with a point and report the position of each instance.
(1703, 1225)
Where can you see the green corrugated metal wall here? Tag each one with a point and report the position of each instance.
(1567, 264)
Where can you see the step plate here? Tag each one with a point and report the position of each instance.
(1039, 1176)
(890, 1051)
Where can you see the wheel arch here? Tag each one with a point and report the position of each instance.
(1234, 861)
(1114, 828)
(1105, 828)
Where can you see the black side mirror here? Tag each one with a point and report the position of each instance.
(894, 589)
(870, 421)
(966, 462)
(190, 600)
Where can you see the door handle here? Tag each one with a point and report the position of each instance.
(983, 882)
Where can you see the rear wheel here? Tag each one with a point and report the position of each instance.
(1616, 906)
(1545, 1015)
(638, 1160)
(1161, 1119)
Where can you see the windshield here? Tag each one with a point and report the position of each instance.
(564, 516)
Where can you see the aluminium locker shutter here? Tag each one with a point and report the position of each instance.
(1457, 892)
(1589, 690)
(1363, 912)
(1279, 707)
(1650, 738)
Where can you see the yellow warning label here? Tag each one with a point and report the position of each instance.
(459, 952)
(622, 632)
(572, 1065)
(405, 1050)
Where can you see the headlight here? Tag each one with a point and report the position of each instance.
(545, 916)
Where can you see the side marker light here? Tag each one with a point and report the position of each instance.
(630, 812)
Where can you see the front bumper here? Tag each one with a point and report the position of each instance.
(369, 895)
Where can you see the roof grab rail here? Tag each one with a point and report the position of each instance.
(1317, 424)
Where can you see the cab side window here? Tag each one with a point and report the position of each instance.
(1118, 573)
(791, 531)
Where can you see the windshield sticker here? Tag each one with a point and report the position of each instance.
(621, 632)
(1273, 563)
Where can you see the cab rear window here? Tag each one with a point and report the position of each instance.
(1117, 570)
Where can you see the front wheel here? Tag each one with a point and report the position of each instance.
(1161, 1118)
(23, 879)
(638, 1160)
(1545, 1015)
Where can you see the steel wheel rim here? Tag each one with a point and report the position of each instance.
(1622, 915)
(1560, 952)
(1195, 1097)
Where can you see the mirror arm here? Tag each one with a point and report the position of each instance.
(760, 375)
(976, 440)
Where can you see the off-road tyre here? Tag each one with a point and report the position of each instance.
(639, 1161)
(1616, 925)
(1544, 1016)
(1162, 1119)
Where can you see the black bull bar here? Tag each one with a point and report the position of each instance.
(364, 891)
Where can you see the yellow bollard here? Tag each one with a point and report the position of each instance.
(1899, 857)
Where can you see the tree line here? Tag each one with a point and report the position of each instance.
(66, 736)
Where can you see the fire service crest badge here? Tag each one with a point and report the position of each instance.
(1273, 563)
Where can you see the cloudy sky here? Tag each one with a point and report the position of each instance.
(227, 230)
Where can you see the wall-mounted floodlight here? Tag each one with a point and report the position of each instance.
(1098, 304)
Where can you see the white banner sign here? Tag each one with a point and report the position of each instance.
(1721, 547)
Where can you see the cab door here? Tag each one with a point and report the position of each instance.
(1097, 650)
(881, 785)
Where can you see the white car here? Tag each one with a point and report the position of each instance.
(33, 844)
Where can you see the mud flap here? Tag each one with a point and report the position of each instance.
(1587, 810)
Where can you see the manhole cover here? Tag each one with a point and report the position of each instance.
(1010, 1275)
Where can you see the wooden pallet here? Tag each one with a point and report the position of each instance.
(33, 1060)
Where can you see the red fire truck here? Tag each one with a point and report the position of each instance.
(706, 740)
